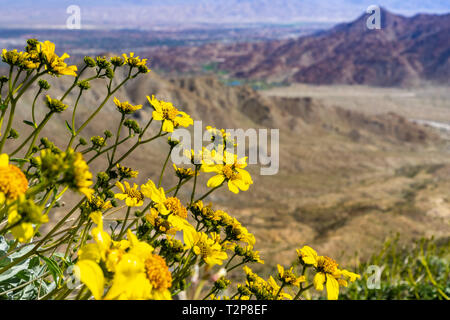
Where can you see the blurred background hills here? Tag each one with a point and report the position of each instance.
(364, 115)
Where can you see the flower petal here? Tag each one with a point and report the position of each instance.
(215, 181)
(332, 287)
(319, 280)
(92, 276)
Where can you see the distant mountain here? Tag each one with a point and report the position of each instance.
(406, 51)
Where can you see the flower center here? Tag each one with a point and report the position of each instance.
(205, 250)
(327, 265)
(158, 273)
(13, 182)
(133, 193)
(174, 206)
(229, 173)
(170, 113)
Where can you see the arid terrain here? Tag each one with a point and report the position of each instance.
(353, 168)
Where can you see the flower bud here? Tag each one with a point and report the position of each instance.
(55, 105)
(89, 62)
(82, 141)
(102, 63)
(43, 84)
(109, 73)
(108, 134)
(84, 85)
(117, 61)
(13, 134)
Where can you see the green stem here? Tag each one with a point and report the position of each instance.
(164, 167)
(33, 106)
(8, 126)
(117, 138)
(105, 150)
(279, 291)
(209, 192)
(195, 185)
(235, 266)
(75, 110)
(122, 230)
(13, 109)
(33, 135)
(92, 116)
(178, 187)
(301, 291)
(75, 83)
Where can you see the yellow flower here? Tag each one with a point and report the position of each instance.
(71, 164)
(22, 216)
(274, 290)
(21, 59)
(96, 204)
(288, 277)
(136, 272)
(171, 116)
(158, 196)
(132, 196)
(78, 176)
(327, 272)
(263, 290)
(248, 253)
(53, 64)
(230, 170)
(55, 105)
(206, 212)
(140, 274)
(235, 230)
(104, 248)
(13, 182)
(209, 249)
(24, 231)
(220, 138)
(183, 173)
(171, 207)
(126, 107)
(134, 61)
(127, 173)
(159, 223)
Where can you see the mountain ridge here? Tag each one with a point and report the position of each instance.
(406, 52)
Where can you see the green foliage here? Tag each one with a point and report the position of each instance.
(417, 272)
(25, 280)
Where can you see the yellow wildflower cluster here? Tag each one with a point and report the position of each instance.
(71, 165)
(163, 238)
(134, 272)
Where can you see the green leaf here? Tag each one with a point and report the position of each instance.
(31, 124)
(69, 127)
(53, 268)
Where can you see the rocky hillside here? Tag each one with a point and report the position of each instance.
(406, 51)
(346, 179)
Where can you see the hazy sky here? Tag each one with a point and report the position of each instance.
(146, 13)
